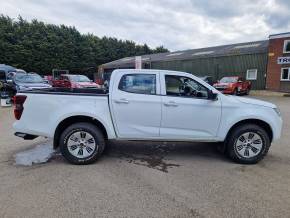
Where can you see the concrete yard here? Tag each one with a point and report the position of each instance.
(146, 180)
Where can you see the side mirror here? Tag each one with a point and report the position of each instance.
(212, 95)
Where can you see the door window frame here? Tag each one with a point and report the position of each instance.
(151, 74)
(164, 92)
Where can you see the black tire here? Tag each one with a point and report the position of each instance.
(88, 129)
(235, 92)
(235, 134)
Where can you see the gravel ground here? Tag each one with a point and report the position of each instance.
(146, 180)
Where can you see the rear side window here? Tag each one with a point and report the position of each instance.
(138, 83)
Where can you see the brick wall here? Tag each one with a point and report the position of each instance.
(274, 69)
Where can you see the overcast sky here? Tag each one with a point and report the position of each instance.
(175, 24)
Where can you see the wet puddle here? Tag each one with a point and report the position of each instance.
(152, 156)
(145, 154)
(39, 154)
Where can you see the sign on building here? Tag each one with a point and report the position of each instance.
(283, 60)
(138, 62)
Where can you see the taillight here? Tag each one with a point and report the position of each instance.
(18, 105)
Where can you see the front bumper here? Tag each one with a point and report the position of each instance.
(225, 90)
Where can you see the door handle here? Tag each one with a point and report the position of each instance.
(122, 101)
(170, 104)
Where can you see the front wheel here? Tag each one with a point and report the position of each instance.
(82, 143)
(235, 92)
(248, 144)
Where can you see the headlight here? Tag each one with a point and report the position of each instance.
(277, 110)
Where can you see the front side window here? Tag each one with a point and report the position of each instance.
(184, 87)
(138, 83)
(252, 74)
(286, 48)
(285, 74)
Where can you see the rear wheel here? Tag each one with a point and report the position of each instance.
(248, 144)
(82, 143)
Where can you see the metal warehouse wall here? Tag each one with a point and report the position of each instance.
(217, 67)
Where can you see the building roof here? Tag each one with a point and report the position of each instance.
(216, 51)
(279, 35)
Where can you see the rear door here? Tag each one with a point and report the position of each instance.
(187, 113)
(136, 105)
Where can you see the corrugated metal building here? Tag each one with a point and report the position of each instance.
(226, 60)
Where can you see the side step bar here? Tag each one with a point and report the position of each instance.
(25, 136)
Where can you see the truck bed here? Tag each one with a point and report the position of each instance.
(68, 91)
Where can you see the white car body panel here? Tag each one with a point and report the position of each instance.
(145, 117)
(188, 118)
(43, 113)
(132, 115)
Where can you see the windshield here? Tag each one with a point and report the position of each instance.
(229, 80)
(79, 78)
(28, 78)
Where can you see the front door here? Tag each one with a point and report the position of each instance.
(136, 106)
(187, 113)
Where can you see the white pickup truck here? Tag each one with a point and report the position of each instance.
(147, 105)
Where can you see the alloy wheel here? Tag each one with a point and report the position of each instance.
(81, 144)
(249, 144)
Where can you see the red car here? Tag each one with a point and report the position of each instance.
(233, 85)
(74, 81)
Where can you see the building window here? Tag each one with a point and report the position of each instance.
(286, 48)
(285, 74)
(252, 74)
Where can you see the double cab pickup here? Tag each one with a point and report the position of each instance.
(147, 105)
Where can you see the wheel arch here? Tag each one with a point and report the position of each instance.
(76, 119)
(266, 126)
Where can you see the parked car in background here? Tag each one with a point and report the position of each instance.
(29, 81)
(235, 85)
(207, 79)
(7, 73)
(147, 105)
(74, 81)
(48, 79)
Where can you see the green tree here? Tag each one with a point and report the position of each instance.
(39, 47)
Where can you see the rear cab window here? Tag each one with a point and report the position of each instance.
(138, 83)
